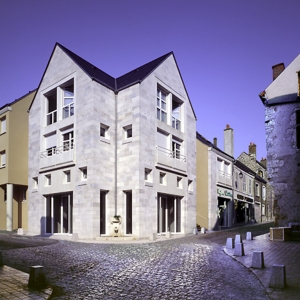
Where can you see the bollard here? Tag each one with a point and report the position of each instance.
(37, 279)
(168, 234)
(203, 230)
(75, 237)
(239, 249)
(153, 236)
(238, 239)
(278, 277)
(1, 259)
(249, 236)
(258, 260)
(195, 230)
(230, 243)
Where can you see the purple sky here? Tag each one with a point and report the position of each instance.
(224, 49)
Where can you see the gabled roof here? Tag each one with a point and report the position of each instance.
(17, 100)
(116, 84)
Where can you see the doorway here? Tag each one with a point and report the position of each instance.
(168, 214)
(59, 212)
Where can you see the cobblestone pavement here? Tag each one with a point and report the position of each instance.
(182, 268)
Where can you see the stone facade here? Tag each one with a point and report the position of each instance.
(282, 105)
(107, 160)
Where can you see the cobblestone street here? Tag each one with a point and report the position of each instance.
(182, 268)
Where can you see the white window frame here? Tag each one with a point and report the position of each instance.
(250, 186)
(68, 100)
(3, 125)
(176, 148)
(68, 143)
(3, 159)
(257, 189)
(162, 105)
(51, 116)
(244, 183)
(176, 114)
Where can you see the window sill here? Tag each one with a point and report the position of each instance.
(191, 192)
(82, 183)
(2, 133)
(104, 140)
(147, 183)
(2, 167)
(129, 140)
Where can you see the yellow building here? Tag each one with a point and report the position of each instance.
(14, 163)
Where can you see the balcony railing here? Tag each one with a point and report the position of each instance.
(224, 177)
(173, 154)
(171, 159)
(57, 155)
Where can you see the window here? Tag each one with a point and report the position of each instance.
(67, 177)
(128, 131)
(263, 192)
(35, 182)
(68, 140)
(237, 180)
(3, 125)
(48, 180)
(51, 107)
(176, 114)
(190, 186)
(161, 106)
(103, 130)
(162, 178)
(68, 100)
(263, 209)
(148, 174)
(256, 189)
(244, 184)
(298, 129)
(83, 173)
(179, 182)
(4, 193)
(3, 158)
(176, 148)
(50, 141)
(250, 186)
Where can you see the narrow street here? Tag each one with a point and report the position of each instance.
(194, 267)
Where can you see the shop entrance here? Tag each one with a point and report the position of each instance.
(168, 214)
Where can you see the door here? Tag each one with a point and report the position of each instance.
(103, 212)
(128, 212)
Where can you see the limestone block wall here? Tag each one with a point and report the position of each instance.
(283, 161)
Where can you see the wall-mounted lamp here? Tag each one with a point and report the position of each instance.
(241, 175)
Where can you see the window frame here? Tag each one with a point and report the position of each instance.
(3, 125)
(68, 108)
(84, 174)
(162, 105)
(2, 159)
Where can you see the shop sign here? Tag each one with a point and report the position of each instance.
(244, 198)
(224, 193)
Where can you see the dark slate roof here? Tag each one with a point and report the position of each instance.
(116, 84)
(15, 101)
(139, 74)
(244, 167)
(92, 71)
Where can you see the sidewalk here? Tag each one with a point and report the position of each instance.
(284, 253)
(13, 285)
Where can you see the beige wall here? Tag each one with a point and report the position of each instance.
(202, 184)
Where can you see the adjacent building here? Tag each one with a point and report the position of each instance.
(262, 189)
(282, 124)
(14, 163)
(101, 146)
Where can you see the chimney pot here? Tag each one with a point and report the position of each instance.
(215, 142)
(277, 70)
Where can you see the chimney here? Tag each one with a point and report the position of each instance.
(263, 161)
(215, 142)
(252, 150)
(277, 70)
(228, 140)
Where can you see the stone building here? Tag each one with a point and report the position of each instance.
(14, 163)
(282, 125)
(101, 147)
(262, 189)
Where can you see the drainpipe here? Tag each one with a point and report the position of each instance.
(116, 153)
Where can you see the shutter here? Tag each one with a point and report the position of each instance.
(50, 141)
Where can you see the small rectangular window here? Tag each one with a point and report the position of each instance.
(162, 178)
(257, 189)
(67, 176)
(3, 125)
(35, 182)
(148, 175)
(83, 173)
(161, 105)
(3, 158)
(104, 130)
(68, 100)
(179, 182)
(48, 180)
(190, 186)
(128, 131)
